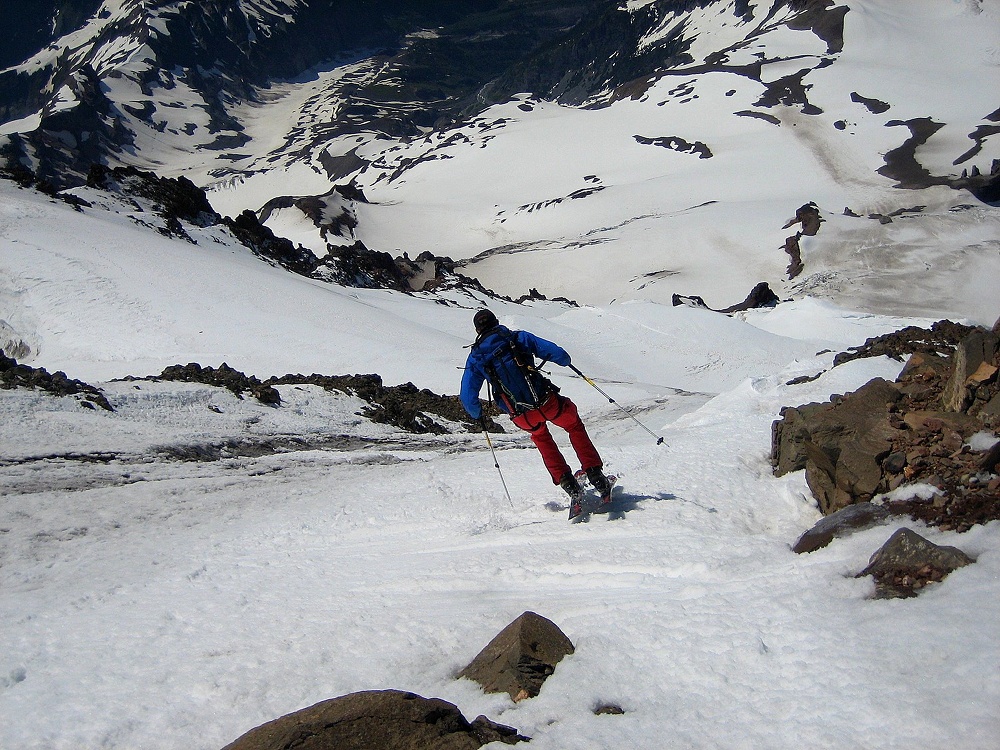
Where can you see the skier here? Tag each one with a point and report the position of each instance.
(505, 359)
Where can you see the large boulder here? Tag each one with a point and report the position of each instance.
(907, 562)
(520, 658)
(376, 720)
(839, 444)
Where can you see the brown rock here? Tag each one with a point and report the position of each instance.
(924, 365)
(520, 658)
(935, 421)
(376, 720)
(840, 524)
(983, 374)
(844, 442)
(907, 559)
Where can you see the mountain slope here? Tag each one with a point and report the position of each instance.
(164, 588)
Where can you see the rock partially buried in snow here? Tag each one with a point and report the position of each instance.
(839, 524)
(908, 562)
(376, 720)
(520, 658)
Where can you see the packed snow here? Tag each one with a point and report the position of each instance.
(151, 601)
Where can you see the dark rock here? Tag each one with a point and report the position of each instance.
(875, 106)
(894, 463)
(760, 296)
(808, 216)
(14, 375)
(520, 658)
(840, 524)
(609, 709)
(223, 377)
(264, 243)
(795, 266)
(942, 338)
(674, 143)
(693, 300)
(990, 459)
(178, 199)
(376, 720)
(907, 562)
(405, 406)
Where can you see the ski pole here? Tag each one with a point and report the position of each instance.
(497, 464)
(659, 440)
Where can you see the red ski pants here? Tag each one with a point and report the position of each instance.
(562, 412)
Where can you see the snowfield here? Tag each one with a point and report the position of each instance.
(191, 565)
(155, 602)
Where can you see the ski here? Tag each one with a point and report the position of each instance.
(580, 508)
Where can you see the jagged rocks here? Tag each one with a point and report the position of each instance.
(809, 217)
(760, 296)
(941, 339)
(405, 406)
(174, 199)
(224, 377)
(14, 375)
(855, 449)
(520, 658)
(377, 720)
(907, 562)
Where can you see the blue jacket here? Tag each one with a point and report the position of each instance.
(491, 358)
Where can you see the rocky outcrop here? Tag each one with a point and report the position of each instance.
(907, 563)
(412, 409)
(405, 406)
(520, 658)
(839, 444)
(377, 720)
(760, 296)
(222, 376)
(13, 375)
(809, 217)
(871, 444)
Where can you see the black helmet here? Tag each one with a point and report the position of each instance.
(484, 321)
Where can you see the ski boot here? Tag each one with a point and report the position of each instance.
(572, 488)
(601, 483)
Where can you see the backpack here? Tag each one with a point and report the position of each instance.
(518, 387)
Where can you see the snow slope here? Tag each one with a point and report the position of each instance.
(155, 602)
